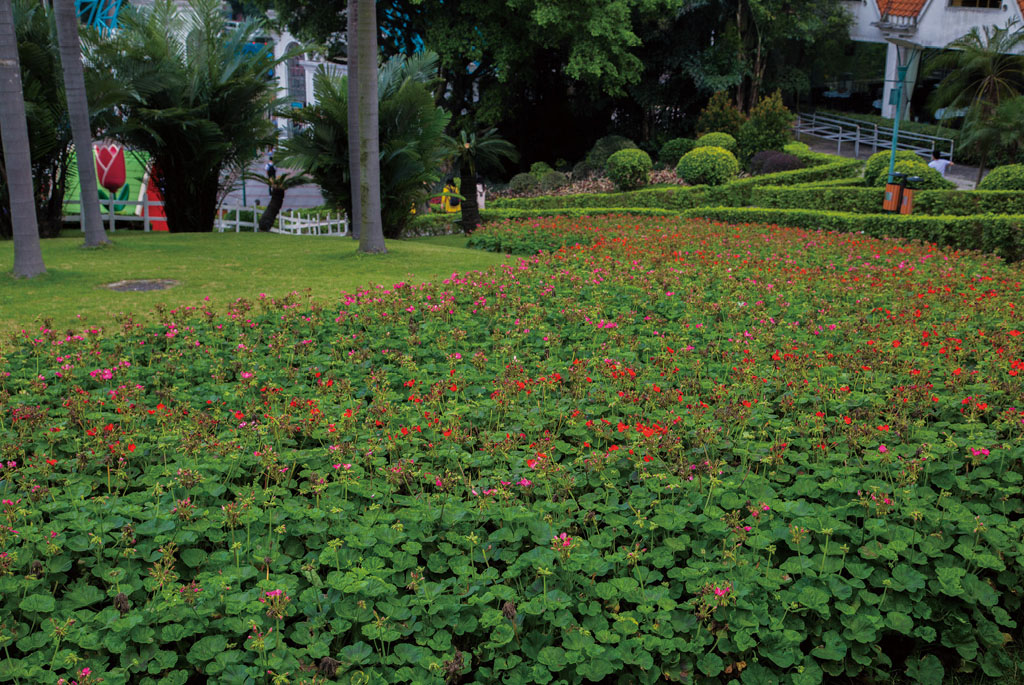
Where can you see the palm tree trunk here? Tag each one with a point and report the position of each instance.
(981, 168)
(78, 112)
(269, 215)
(28, 255)
(353, 119)
(470, 209)
(371, 229)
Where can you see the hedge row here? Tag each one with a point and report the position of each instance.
(869, 200)
(999, 234)
(736, 193)
(444, 224)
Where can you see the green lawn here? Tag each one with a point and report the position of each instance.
(219, 266)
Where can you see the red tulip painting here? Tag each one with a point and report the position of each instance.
(110, 167)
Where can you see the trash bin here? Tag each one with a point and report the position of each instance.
(907, 201)
(894, 192)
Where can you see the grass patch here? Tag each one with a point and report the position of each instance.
(221, 267)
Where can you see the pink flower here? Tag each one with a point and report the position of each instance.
(883, 449)
(524, 482)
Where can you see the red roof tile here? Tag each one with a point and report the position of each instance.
(906, 8)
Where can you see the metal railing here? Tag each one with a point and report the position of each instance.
(861, 133)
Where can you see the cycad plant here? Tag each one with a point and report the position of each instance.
(195, 96)
(277, 185)
(411, 138)
(983, 73)
(475, 152)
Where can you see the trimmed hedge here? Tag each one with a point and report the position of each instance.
(445, 224)
(1006, 177)
(686, 197)
(717, 139)
(628, 168)
(869, 200)
(708, 164)
(999, 234)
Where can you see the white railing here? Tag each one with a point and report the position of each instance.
(848, 130)
(294, 223)
(235, 218)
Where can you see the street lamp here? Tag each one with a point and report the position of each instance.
(903, 64)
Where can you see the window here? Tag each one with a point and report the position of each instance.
(977, 4)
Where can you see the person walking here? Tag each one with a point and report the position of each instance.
(270, 169)
(939, 164)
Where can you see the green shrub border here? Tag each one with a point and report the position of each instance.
(735, 193)
(1002, 235)
(869, 200)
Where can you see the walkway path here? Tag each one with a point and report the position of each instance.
(963, 176)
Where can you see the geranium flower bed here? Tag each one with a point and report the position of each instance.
(675, 451)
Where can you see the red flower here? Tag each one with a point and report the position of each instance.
(883, 427)
(239, 415)
(51, 462)
(110, 168)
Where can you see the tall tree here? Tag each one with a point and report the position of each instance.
(78, 113)
(354, 216)
(984, 72)
(28, 255)
(371, 228)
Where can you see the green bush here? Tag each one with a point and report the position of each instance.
(523, 183)
(1008, 177)
(538, 169)
(797, 148)
(930, 178)
(605, 147)
(584, 170)
(711, 165)
(717, 139)
(720, 114)
(552, 180)
(672, 151)
(769, 127)
(878, 164)
(628, 169)
(1001, 235)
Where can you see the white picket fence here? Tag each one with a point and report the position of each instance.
(235, 218)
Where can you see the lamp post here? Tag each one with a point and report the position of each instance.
(897, 92)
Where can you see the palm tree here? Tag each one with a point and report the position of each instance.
(194, 95)
(277, 185)
(983, 74)
(78, 113)
(475, 151)
(352, 17)
(1003, 130)
(411, 138)
(28, 255)
(371, 229)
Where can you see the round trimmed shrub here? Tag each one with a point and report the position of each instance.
(553, 180)
(605, 147)
(708, 165)
(628, 169)
(930, 178)
(524, 183)
(772, 161)
(538, 169)
(672, 151)
(878, 163)
(717, 139)
(584, 170)
(1008, 177)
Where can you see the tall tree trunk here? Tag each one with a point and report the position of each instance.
(470, 209)
(28, 255)
(981, 168)
(353, 117)
(269, 215)
(371, 229)
(78, 112)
